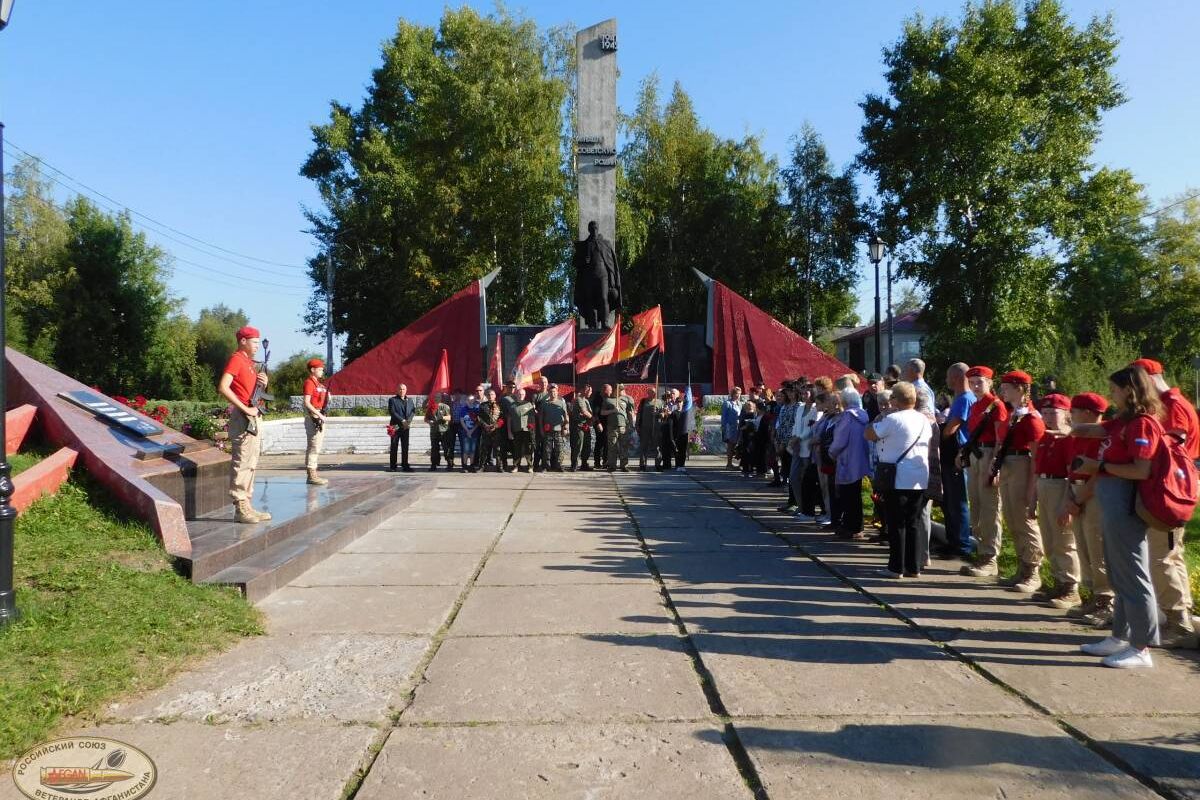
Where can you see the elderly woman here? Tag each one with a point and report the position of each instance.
(902, 440)
(853, 454)
(731, 409)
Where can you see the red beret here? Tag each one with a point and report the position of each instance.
(315, 362)
(248, 332)
(1151, 366)
(1055, 400)
(1017, 377)
(980, 372)
(1089, 401)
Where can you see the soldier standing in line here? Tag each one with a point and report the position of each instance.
(237, 385)
(666, 432)
(542, 395)
(441, 433)
(504, 442)
(600, 423)
(520, 424)
(554, 416)
(581, 430)
(648, 430)
(616, 429)
(630, 421)
(316, 400)
(491, 426)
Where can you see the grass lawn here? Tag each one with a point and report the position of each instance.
(103, 615)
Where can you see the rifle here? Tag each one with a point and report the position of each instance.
(972, 446)
(260, 397)
(1002, 450)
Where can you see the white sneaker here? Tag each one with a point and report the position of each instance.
(822, 520)
(1105, 647)
(1129, 658)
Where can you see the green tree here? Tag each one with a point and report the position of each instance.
(824, 228)
(451, 168)
(215, 334)
(112, 304)
(686, 199)
(1173, 287)
(980, 151)
(172, 370)
(287, 379)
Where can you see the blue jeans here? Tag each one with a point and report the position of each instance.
(954, 508)
(467, 443)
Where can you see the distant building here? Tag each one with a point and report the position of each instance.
(857, 347)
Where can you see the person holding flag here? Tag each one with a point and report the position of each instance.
(440, 416)
(687, 424)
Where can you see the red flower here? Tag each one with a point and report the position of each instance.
(499, 424)
(546, 428)
(121, 399)
(139, 402)
(391, 430)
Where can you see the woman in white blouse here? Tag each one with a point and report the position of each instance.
(903, 438)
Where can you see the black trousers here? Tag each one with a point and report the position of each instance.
(785, 466)
(400, 439)
(849, 507)
(681, 449)
(442, 444)
(666, 447)
(600, 449)
(904, 508)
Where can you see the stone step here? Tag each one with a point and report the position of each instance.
(279, 563)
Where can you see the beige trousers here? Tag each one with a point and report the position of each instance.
(984, 503)
(1169, 572)
(1060, 541)
(1027, 537)
(315, 439)
(245, 447)
(1090, 541)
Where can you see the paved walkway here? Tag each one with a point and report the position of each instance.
(654, 636)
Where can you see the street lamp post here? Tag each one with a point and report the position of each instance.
(875, 249)
(891, 338)
(8, 514)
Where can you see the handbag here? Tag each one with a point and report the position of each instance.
(885, 471)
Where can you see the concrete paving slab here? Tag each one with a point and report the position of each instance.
(533, 569)
(497, 498)
(654, 762)
(715, 519)
(917, 758)
(299, 761)
(1166, 747)
(706, 540)
(391, 569)
(820, 608)
(455, 518)
(545, 678)
(604, 517)
(566, 539)
(872, 671)
(411, 610)
(405, 540)
(348, 678)
(744, 566)
(521, 610)
(1048, 667)
(954, 602)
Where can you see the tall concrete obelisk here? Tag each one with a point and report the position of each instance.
(596, 134)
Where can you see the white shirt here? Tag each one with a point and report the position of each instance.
(896, 432)
(806, 422)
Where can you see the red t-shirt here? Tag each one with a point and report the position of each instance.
(1181, 416)
(244, 377)
(1053, 455)
(1130, 440)
(978, 409)
(1027, 429)
(1087, 448)
(316, 393)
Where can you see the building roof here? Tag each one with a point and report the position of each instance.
(908, 322)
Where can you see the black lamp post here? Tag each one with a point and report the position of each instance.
(8, 514)
(876, 248)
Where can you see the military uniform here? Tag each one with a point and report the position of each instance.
(554, 416)
(648, 430)
(503, 441)
(616, 427)
(538, 439)
(581, 432)
(520, 417)
(441, 436)
(491, 425)
(600, 437)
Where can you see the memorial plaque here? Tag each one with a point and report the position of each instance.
(111, 411)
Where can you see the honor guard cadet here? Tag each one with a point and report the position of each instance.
(504, 441)
(521, 420)
(554, 416)
(581, 430)
(648, 430)
(316, 400)
(540, 396)
(1052, 463)
(441, 433)
(1081, 509)
(1011, 468)
(491, 424)
(976, 455)
(402, 409)
(237, 385)
(616, 427)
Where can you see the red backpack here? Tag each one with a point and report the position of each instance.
(1167, 499)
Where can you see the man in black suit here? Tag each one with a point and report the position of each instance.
(402, 409)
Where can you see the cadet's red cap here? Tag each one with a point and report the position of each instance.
(315, 362)
(1017, 377)
(1055, 400)
(980, 372)
(1089, 401)
(1151, 366)
(248, 332)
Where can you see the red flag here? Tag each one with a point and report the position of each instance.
(496, 368)
(554, 345)
(601, 352)
(646, 334)
(441, 380)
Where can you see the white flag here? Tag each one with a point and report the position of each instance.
(552, 346)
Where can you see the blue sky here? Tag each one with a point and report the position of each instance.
(197, 114)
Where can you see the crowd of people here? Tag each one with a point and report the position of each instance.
(1100, 488)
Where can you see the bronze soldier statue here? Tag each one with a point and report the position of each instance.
(597, 281)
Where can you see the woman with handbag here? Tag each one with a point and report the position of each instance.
(901, 477)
